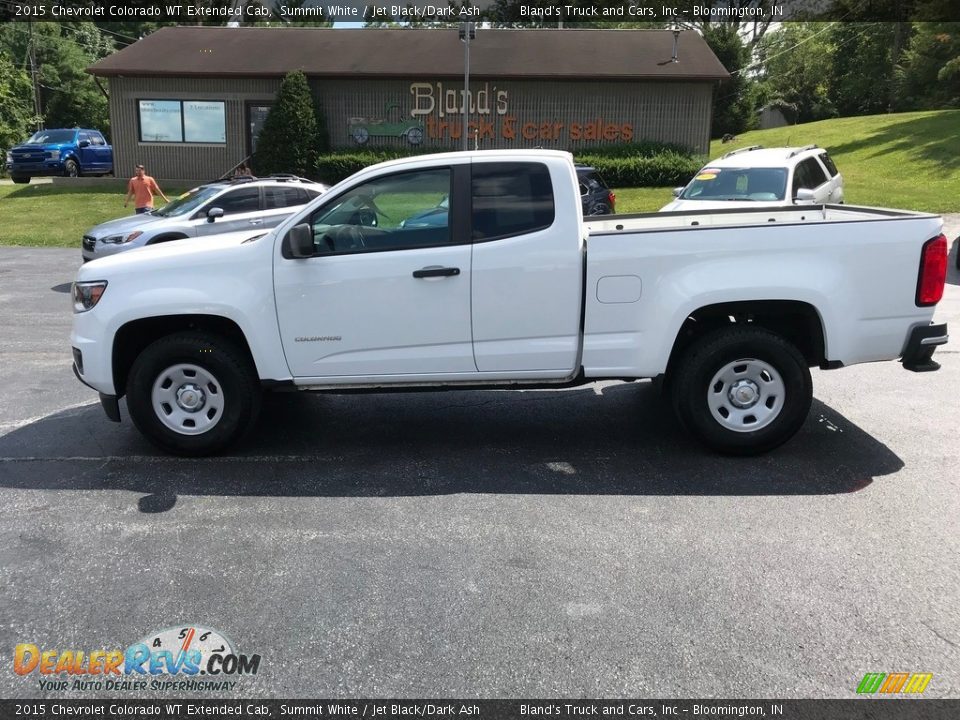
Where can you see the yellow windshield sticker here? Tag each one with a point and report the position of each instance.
(707, 176)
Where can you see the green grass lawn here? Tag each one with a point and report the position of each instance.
(46, 215)
(901, 160)
(904, 160)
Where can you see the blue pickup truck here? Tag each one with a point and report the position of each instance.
(70, 152)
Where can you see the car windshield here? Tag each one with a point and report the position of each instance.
(188, 202)
(42, 137)
(758, 184)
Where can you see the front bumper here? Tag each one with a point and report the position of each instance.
(109, 403)
(94, 249)
(36, 169)
(918, 353)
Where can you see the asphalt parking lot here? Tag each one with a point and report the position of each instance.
(503, 544)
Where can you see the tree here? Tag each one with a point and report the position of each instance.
(930, 74)
(287, 143)
(795, 63)
(861, 67)
(68, 96)
(734, 101)
(16, 103)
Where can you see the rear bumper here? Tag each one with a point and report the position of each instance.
(918, 354)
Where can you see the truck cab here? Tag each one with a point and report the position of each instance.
(69, 152)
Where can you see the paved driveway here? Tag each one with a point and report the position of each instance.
(516, 544)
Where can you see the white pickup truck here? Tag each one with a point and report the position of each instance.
(477, 270)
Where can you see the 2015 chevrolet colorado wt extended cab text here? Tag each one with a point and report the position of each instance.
(476, 269)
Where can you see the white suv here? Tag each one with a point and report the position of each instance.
(757, 177)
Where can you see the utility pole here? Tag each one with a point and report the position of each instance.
(37, 110)
(468, 31)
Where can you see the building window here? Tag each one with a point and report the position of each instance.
(256, 117)
(179, 121)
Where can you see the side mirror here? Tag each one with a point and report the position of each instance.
(84, 143)
(298, 243)
(804, 195)
(677, 192)
(213, 213)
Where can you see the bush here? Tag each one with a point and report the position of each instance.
(665, 168)
(334, 167)
(635, 165)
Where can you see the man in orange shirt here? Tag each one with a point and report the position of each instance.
(142, 188)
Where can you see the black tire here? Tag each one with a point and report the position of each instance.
(233, 371)
(790, 393)
(71, 169)
(20, 179)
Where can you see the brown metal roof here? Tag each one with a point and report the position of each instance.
(369, 52)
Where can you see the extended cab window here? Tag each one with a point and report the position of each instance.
(397, 212)
(510, 199)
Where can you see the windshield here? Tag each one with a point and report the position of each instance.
(758, 184)
(188, 202)
(42, 137)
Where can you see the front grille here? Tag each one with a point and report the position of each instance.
(89, 242)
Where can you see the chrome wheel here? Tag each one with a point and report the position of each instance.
(746, 395)
(188, 399)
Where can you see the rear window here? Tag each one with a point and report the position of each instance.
(510, 199)
(282, 197)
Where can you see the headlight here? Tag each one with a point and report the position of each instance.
(119, 239)
(87, 294)
(53, 154)
(10, 158)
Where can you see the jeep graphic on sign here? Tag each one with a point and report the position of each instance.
(362, 129)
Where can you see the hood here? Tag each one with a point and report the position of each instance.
(208, 250)
(42, 147)
(690, 205)
(125, 224)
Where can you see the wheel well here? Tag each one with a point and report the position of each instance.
(131, 339)
(797, 322)
(167, 238)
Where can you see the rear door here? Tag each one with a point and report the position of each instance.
(527, 267)
(279, 201)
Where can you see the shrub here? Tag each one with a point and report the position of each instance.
(280, 146)
(635, 165)
(665, 168)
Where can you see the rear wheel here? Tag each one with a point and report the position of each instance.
(742, 391)
(192, 393)
(20, 179)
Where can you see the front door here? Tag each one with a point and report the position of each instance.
(387, 290)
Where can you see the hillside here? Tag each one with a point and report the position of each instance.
(902, 160)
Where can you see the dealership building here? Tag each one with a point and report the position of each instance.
(189, 102)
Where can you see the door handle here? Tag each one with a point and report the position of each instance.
(256, 222)
(428, 272)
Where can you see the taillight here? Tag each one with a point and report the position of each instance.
(611, 200)
(933, 271)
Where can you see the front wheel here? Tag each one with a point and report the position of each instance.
(20, 179)
(742, 391)
(71, 169)
(192, 393)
